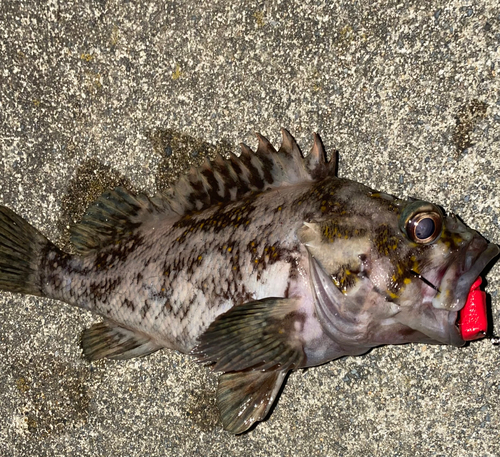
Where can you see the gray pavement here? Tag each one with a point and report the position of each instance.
(99, 93)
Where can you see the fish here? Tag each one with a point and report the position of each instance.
(256, 265)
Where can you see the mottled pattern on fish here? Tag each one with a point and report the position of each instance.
(171, 282)
(170, 275)
(256, 265)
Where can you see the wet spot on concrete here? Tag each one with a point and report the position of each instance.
(466, 120)
(54, 399)
(179, 152)
(91, 180)
(202, 409)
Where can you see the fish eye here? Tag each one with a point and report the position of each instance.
(424, 227)
(421, 222)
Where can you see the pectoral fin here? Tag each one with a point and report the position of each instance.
(107, 339)
(244, 398)
(262, 334)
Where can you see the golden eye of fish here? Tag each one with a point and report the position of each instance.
(424, 227)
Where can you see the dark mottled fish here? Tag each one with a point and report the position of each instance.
(258, 265)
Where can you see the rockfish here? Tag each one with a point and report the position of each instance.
(257, 265)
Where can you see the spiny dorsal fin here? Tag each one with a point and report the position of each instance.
(289, 145)
(264, 145)
(221, 181)
(316, 162)
(118, 213)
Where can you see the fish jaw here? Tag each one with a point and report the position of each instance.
(437, 316)
(460, 284)
(459, 277)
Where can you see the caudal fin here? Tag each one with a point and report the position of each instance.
(21, 249)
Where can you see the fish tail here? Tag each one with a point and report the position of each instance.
(22, 249)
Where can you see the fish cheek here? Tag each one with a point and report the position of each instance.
(341, 255)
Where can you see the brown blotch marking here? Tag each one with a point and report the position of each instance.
(101, 291)
(453, 240)
(254, 177)
(129, 304)
(199, 194)
(332, 231)
(234, 261)
(264, 255)
(224, 169)
(96, 291)
(267, 166)
(243, 186)
(224, 217)
(386, 242)
(277, 253)
(145, 308)
(401, 274)
(393, 208)
(291, 319)
(467, 118)
(167, 308)
(323, 195)
(106, 258)
(345, 277)
(113, 284)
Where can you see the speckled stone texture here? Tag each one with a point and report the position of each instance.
(99, 93)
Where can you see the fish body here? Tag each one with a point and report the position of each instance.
(256, 265)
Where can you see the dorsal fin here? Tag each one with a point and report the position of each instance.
(114, 215)
(221, 181)
(118, 213)
(316, 162)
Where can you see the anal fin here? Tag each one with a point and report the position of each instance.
(106, 339)
(246, 397)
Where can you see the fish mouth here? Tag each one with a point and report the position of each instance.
(466, 281)
(460, 276)
(460, 295)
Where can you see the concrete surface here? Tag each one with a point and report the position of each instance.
(98, 93)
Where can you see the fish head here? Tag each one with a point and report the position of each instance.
(392, 271)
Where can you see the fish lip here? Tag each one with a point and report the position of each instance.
(465, 281)
(475, 261)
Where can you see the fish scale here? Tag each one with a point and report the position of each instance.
(257, 265)
(186, 251)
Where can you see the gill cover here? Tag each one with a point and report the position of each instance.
(348, 320)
